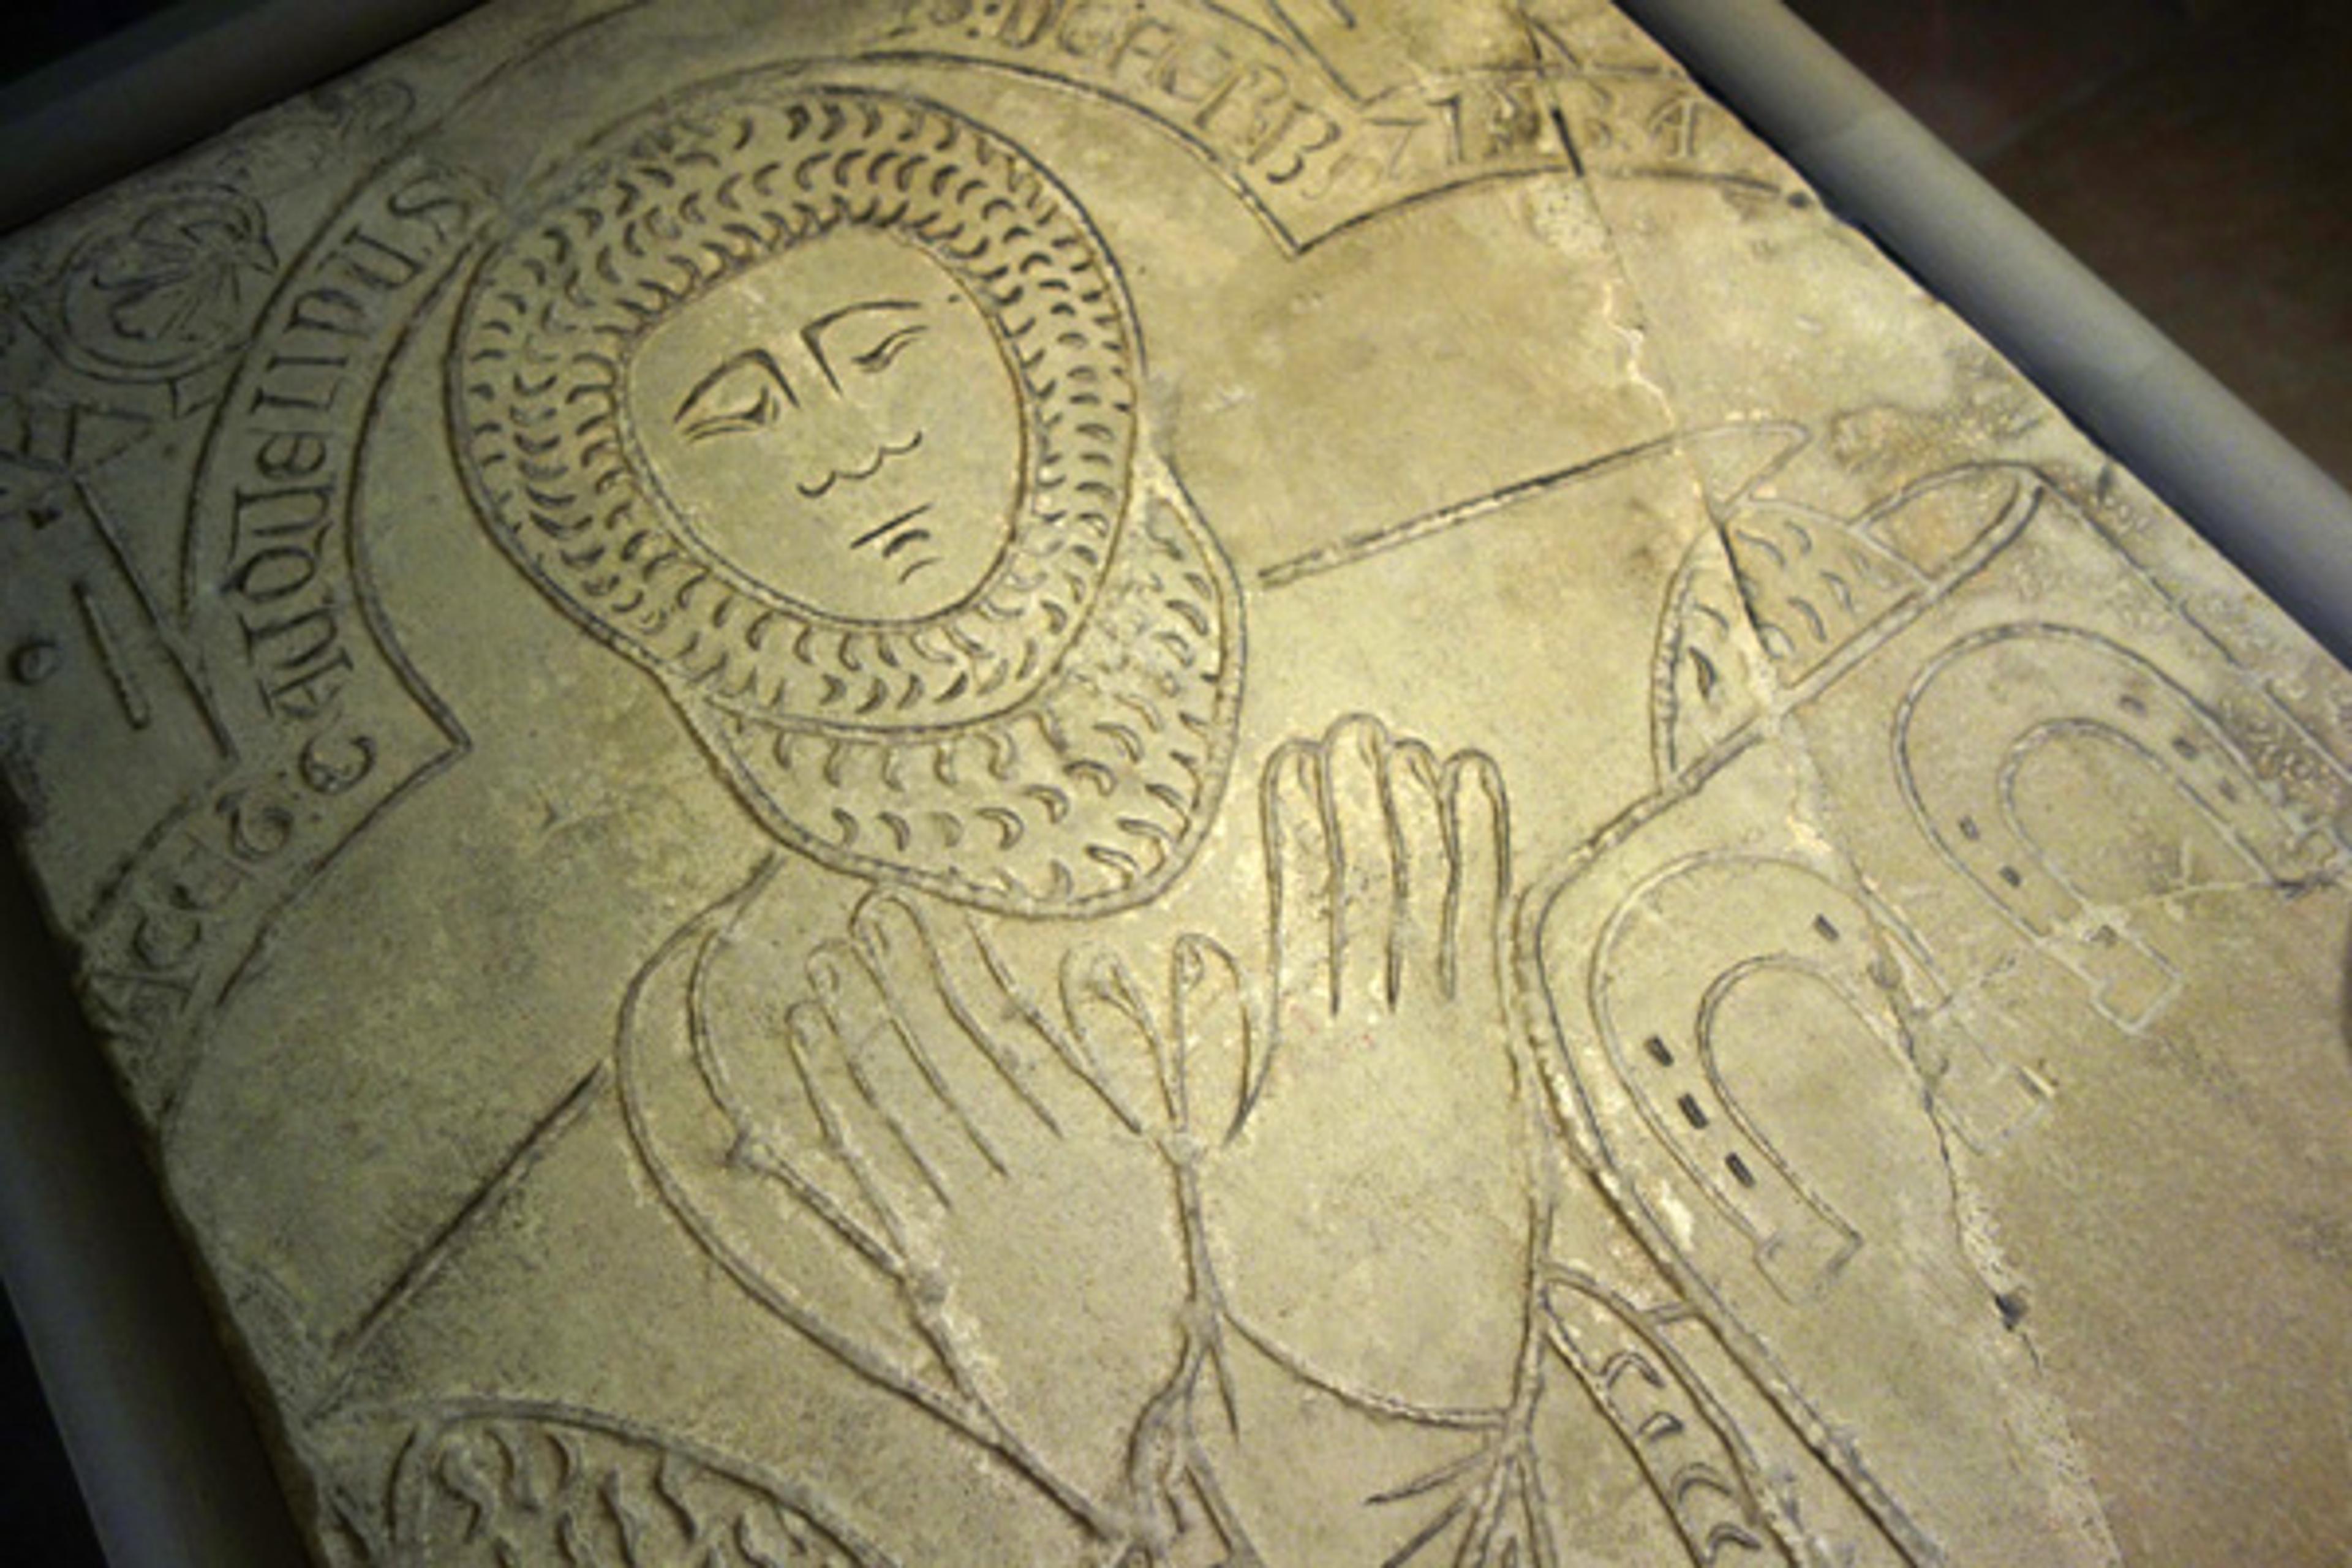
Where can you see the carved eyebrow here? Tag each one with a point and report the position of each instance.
(816, 329)
(759, 358)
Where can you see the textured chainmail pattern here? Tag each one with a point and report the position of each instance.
(695, 199)
(514, 1486)
(1090, 797)
(1052, 745)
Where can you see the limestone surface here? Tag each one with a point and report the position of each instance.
(1162, 783)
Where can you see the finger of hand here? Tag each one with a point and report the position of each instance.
(1021, 1026)
(790, 1224)
(743, 1046)
(1298, 880)
(1355, 765)
(1120, 1037)
(865, 1085)
(1211, 1028)
(1478, 830)
(745, 1058)
(981, 1084)
(1425, 867)
(824, 1174)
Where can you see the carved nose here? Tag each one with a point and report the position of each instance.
(835, 443)
(850, 463)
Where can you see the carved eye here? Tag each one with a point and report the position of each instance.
(878, 357)
(737, 397)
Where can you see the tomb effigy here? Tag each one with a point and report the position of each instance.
(1142, 782)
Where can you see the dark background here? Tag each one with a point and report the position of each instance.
(2197, 154)
(42, 1522)
(2194, 153)
(41, 30)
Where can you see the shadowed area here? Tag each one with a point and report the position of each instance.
(2196, 153)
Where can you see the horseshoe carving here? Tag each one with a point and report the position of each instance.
(1982, 709)
(1677, 949)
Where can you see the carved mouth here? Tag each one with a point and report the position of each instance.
(888, 531)
(897, 536)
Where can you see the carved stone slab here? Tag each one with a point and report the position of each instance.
(1152, 782)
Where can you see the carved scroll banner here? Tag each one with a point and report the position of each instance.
(1141, 782)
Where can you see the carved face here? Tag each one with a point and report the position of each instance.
(839, 424)
(819, 403)
(822, 404)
